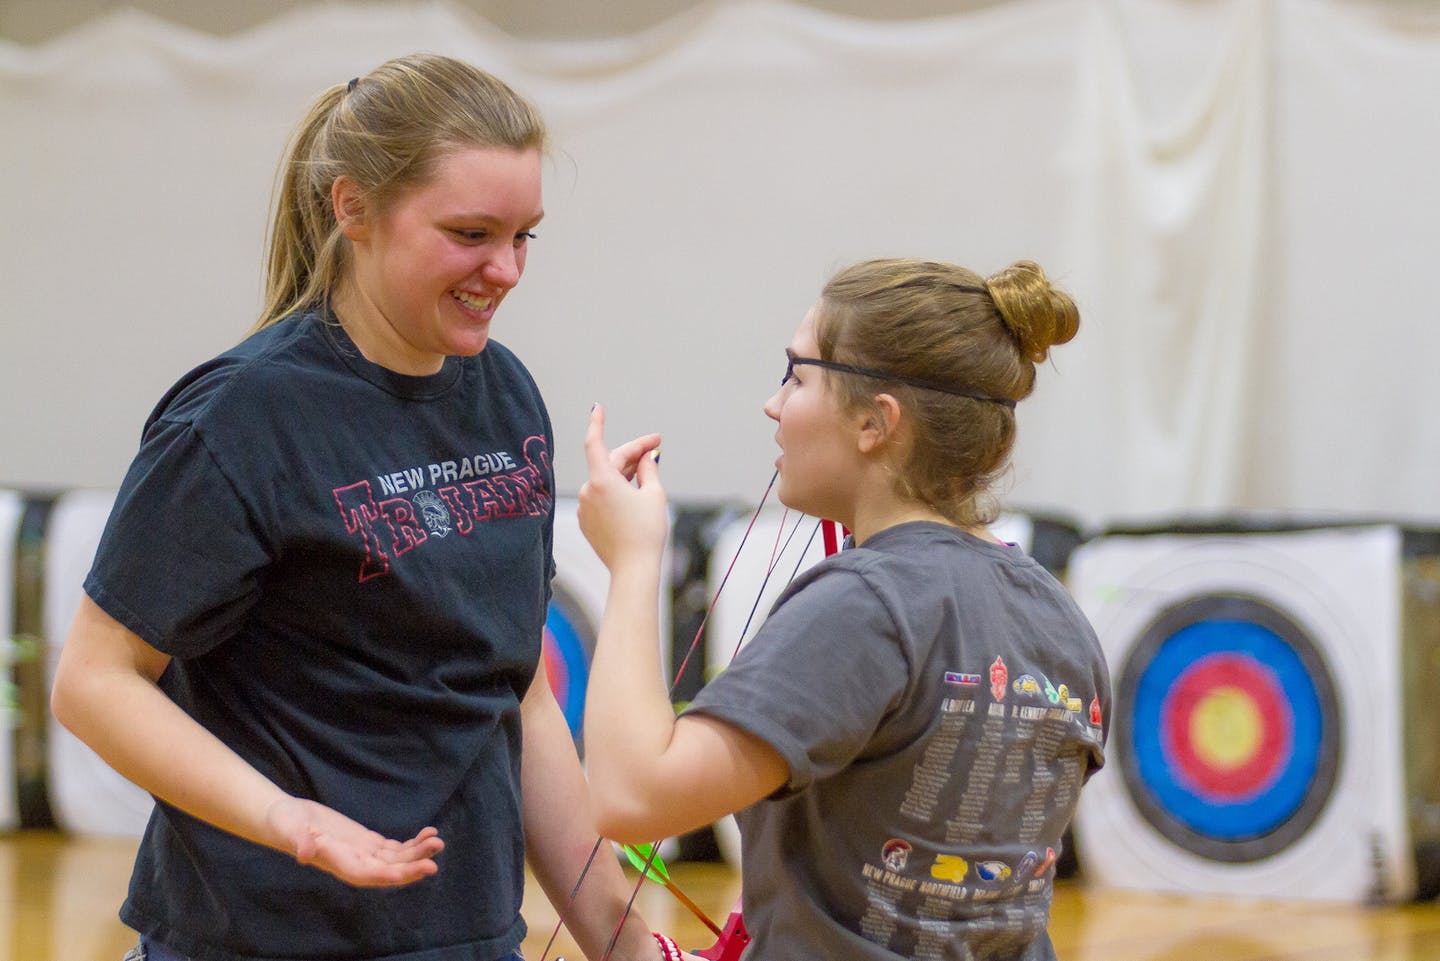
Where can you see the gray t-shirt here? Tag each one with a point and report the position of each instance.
(939, 700)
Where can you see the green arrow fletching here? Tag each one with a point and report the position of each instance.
(639, 854)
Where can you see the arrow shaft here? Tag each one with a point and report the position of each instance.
(693, 908)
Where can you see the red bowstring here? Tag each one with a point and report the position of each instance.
(694, 643)
(776, 551)
(770, 569)
(679, 673)
(699, 631)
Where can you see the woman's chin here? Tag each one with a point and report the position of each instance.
(469, 344)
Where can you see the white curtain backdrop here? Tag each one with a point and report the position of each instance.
(1240, 194)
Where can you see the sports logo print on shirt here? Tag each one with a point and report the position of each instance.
(391, 527)
(434, 513)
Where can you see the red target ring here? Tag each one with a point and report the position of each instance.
(1228, 726)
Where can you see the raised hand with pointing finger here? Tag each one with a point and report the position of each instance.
(622, 506)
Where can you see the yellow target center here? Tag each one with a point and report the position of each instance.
(1226, 728)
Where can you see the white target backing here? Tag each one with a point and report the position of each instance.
(86, 795)
(1256, 739)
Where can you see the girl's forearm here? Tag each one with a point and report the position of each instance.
(629, 720)
(102, 694)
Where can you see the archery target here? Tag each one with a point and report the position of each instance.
(87, 796)
(1256, 734)
(11, 506)
(568, 648)
(577, 604)
(781, 544)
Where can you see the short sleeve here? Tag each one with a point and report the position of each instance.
(818, 678)
(180, 561)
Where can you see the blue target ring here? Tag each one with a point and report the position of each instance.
(1170, 773)
(568, 645)
(1230, 725)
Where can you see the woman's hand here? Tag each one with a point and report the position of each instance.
(326, 839)
(623, 521)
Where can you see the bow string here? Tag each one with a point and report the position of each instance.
(732, 939)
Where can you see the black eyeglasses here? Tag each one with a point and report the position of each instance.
(791, 362)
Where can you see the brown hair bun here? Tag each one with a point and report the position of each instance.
(1037, 314)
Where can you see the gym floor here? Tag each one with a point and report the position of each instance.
(59, 896)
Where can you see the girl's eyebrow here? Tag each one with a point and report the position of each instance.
(487, 218)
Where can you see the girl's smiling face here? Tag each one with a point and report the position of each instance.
(428, 274)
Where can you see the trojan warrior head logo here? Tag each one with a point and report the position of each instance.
(896, 854)
(433, 512)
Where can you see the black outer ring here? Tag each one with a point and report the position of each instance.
(1234, 607)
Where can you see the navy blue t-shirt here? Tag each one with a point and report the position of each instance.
(350, 569)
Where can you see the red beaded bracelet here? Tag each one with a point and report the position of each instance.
(669, 950)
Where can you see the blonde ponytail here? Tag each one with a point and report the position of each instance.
(303, 259)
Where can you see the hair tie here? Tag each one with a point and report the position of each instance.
(351, 85)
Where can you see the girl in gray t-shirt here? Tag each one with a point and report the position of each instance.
(905, 738)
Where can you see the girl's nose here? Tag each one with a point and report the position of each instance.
(503, 269)
(772, 407)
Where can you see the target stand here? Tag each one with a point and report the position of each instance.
(1267, 734)
(11, 505)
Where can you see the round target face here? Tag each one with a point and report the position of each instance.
(1231, 727)
(568, 645)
